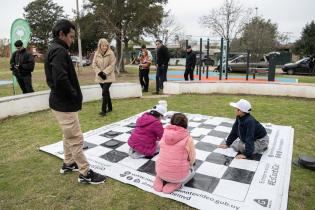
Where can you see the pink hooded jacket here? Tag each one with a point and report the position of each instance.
(177, 154)
(148, 131)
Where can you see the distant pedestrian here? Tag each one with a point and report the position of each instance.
(145, 59)
(22, 65)
(162, 59)
(190, 64)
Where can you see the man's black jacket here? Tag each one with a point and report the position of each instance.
(65, 95)
(162, 57)
(25, 61)
(191, 60)
(248, 129)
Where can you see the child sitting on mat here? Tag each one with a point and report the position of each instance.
(176, 158)
(248, 136)
(149, 130)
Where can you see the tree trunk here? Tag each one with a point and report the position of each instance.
(119, 60)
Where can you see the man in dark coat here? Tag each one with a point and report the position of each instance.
(162, 59)
(190, 64)
(65, 100)
(22, 64)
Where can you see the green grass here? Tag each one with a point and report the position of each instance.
(30, 179)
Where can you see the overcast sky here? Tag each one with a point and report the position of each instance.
(290, 15)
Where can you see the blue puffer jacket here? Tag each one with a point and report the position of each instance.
(248, 129)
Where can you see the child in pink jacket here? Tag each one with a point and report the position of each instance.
(148, 131)
(176, 158)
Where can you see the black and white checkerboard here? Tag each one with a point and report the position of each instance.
(218, 173)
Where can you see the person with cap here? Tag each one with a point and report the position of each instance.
(149, 130)
(22, 65)
(174, 165)
(248, 136)
(190, 64)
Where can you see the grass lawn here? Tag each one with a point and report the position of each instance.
(30, 179)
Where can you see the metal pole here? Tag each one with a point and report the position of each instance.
(200, 58)
(186, 43)
(227, 58)
(247, 64)
(208, 57)
(221, 63)
(79, 34)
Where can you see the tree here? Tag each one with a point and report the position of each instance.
(306, 44)
(168, 29)
(228, 20)
(259, 36)
(42, 15)
(126, 20)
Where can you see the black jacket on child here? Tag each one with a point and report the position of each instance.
(65, 95)
(25, 61)
(248, 129)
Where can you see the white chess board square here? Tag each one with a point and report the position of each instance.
(133, 163)
(193, 124)
(123, 148)
(96, 139)
(200, 131)
(202, 155)
(123, 137)
(223, 129)
(121, 129)
(213, 121)
(232, 190)
(250, 165)
(97, 151)
(227, 152)
(212, 169)
(212, 140)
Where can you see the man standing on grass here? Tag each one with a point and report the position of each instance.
(22, 64)
(65, 100)
(162, 59)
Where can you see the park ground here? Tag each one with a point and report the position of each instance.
(30, 179)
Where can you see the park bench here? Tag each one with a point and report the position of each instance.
(255, 71)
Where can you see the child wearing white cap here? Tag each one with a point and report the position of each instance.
(149, 130)
(248, 136)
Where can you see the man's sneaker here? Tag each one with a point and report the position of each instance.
(69, 168)
(92, 178)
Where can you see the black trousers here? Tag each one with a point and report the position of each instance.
(107, 102)
(161, 76)
(189, 71)
(25, 83)
(144, 78)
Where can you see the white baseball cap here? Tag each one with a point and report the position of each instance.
(160, 109)
(242, 105)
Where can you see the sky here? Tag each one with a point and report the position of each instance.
(290, 15)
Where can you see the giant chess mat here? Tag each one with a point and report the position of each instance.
(221, 181)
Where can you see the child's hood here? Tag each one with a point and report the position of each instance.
(145, 120)
(173, 134)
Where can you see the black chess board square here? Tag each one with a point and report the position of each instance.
(226, 124)
(207, 126)
(238, 175)
(114, 156)
(256, 157)
(197, 164)
(148, 167)
(219, 134)
(219, 159)
(203, 182)
(111, 134)
(131, 125)
(88, 145)
(205, 146)
(113, 144)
